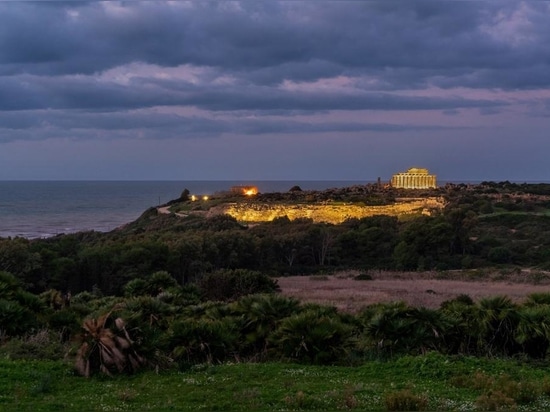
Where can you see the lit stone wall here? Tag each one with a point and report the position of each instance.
(414, 178)
(252, 212)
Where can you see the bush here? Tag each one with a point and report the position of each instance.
(495, 401)
(314, 336)
(228, 285)
(43, 345)
(500, 254)
(363, 276)
(204, 340)
(405, 400)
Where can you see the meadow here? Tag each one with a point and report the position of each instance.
(429, 382)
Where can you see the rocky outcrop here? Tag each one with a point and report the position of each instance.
(255, 212)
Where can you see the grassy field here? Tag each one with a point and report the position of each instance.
(432, 382)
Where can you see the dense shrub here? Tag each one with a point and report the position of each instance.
(227, 285)
(314, 336)
(204, 340)
(43, 344)
(405, 400)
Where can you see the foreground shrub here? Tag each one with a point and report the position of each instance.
(106, 350)
(203, 340)
(261, 315)
(396, 328)
(154, 285)
(495, 401)
(43, 345)
(18, 308)
(316, 336)
(405, 400)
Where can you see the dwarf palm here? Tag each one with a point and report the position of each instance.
(203, 340)
(314, 337)
(533, 330)
(499, 319)
(106, 350)
(261, 315)
(463, 331)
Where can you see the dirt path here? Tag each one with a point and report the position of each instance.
(165, 210)
(349, 294)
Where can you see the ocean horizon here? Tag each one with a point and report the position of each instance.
(41, 209)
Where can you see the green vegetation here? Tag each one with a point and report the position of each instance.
(489, 225)
(430, 382)
(183, 312)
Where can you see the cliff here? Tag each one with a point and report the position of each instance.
(256, 212)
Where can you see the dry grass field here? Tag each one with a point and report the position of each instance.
(428, 289)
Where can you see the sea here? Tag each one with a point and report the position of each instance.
(41, 209)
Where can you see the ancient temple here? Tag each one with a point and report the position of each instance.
(414, 178)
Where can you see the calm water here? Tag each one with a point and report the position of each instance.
(43, 209)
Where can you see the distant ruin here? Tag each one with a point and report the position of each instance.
(254, 212)
(414, 178)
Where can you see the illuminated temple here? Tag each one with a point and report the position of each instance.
(414, 178)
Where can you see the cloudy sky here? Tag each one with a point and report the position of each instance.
(274, 90)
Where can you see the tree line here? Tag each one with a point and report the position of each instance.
(475, 230)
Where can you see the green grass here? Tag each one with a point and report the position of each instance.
(443, 381)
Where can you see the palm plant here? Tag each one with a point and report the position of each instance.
(261, 315)
(203, 340)
(537, 299)
(386, 326)
(499, 318)
(533, 330)
(397, 328)
(313, 336)
(106, 350)
(463, 331)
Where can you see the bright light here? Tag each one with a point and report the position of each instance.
(205, 198)
(250, 192)
(193, 198)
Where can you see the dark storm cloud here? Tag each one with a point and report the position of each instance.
(33, 92)
(267, 42)
(259, 58)
(23, 125)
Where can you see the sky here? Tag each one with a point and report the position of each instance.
(274, 90)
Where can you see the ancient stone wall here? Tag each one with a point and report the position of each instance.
(252, 212)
